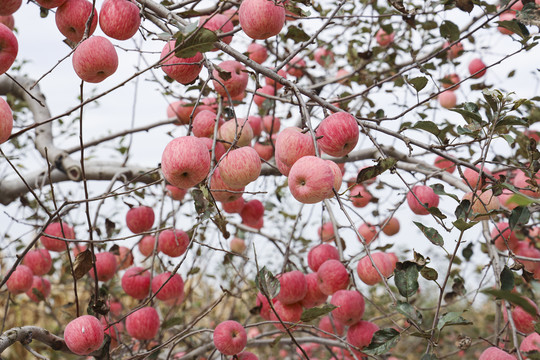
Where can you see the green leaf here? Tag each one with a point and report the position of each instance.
(465, 5)
(463, 225)
(435, 211)
(439, 190)
(418, 83)
(382, 341)
(513, 298)
(172, 322)
(452, 318)
(201, 40)
(519, 215)
(429, 273)
(428, 126)
(463, 209)
(267, 283)
(409, 311)
(406, 278)
(449, 30)
(296, 34)
(507, 279)
(522, 200)
(467, 252)
(430, 233)
(516, 27)
(469, 111)
(373, 171)
(316, 312)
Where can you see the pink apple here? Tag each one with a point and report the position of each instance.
(124, 259)
(182, 111)
(314, 296)
(523, 320)
(84, 335)
(332, 276)
(235, 132)
(271, 82)
(183, 70)
(264, 306)
(219, 148)
(360, 334)
(257, 225)
(136, 282)
(173, 288)
(146, 245)
(9, 48)
(324, 57)
(311, 180)
(477, 68)
(8, 20)
(20, 280)
(523, 182)
(321, 253)
(175, 193)
(119, 19)
(482, 203)
(293, 287)
(425, 195)
(50, 4)
(350, 306)
(368, 233)
(252, 211)
(221, 191)
(234, 207)
(450, 80)
(367, 272)
(143, 324)
(185, 162)
(444, 164)
(454, 51)
(494, 353)
(115, 308)
(72, 16)
(39, 261)
(257, 52)
(271, 124)
(95, 59)
(506, 16)
(237, 245)
(530, 343)
(204, 123)
(40, 285)
(392, 227)
(219, 23)
(326, 232)
(261, 19)
(259, 99)
(8, 7)
(339, 134)
(359, 196)
(383, 38)
(338, 175)
(290, 313)
(234, 82)
(472, 177)
(140, 219)
(230, 337)
(240, 167)
(331, 326)
(292, 144)
(246, 355)
(526, 249)
(173, 242)
(296, 67)
(256, 124)
(447, 99)
(264, 150)
(57, 230)
(105, 266)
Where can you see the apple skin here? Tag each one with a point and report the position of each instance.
(360, 334)
(140, 219)
(221, 191)
(235, 130)
(95, 59)
(183, 70)
(447, 99)
(530, 343)
(383, 38)
(261, 19)
(325, 324)
(71, 19)
(506, 16)
(8, 20)
(314, 296)
(173, 242)
(146, 245)
(266, 90)
(324, 57)
(368, 232)
(321, 253)
(175, 193)
(39, 261)
(494, 353)
(218, 23)
(185, 162)
(230, 337)
(55, 229)
(526, 249)
(84, 335)
(296, 67)
(261, 302)
(235, 84)
(234, 207)
(271, 82)
(246, 355)
(477, 65)
(174, 288)
(124, 259)
(204, 123)
(50, 4)
(338, 175)
(339, 133)
(9, 48)
(271, 124)
(472, 177)
(293, 287)
(119, 19)
(41, 285)
(359, 196)
(264, 150)
(256, 124)
(368, 274)
(240, 167)
(237, 245)
(392, 227)
(8, 7)
(521, 181)
(332, 276)
(136, 282)
(454, 51)
(20, 280)
(105, 266)
(444, 164)
(143, 324)
(350, 306)
(291, 144)
(326, 232)
(257, 52)
(450, 80)
(482, 203)
(252, 211)
(182, 111)
(287, 313)
(311, 180)
(427, 197)
(523, 320)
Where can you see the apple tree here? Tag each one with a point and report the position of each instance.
(261, 178)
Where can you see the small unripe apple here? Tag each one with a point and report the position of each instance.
(477, 68)
(237, 245)
(20, 280)
(39, 261)
(173, 242)
(119, 19)
(84, 335)
(143, 324)
(136, 282)
(261, 19)
(230, 337)
(54, 229)
(140, 219)
(72, 16)
(427, 198)
(174, 288)
(332, 276)
(9, 48)
(40, 285)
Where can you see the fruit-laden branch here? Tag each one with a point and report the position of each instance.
(44, 143)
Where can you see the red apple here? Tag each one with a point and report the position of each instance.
(324, 57)
(259, 99)
(20, 280)
(50, 4)
(185, 162)
(454, 51)
(39, 261)
(293, 287)
(146, 245)
(271, 124)
(40, 285)
(383, 38)
(246, 355)
(338, 175)
(257, 52)
(221, 191)
(321, 253)
(234, 80)
(173, 288)
(105, 266)
(54, 229)
(8, 7)
(230, 337)
(136, 282)
(482, 203)
(175, 193)
(530, 343)
(119, 19)
(182, 111)
(219, 148)
(450, 80)
(9, 48)
(477, 68)
(140, 219)
(367, 272)
(236, 132)
(261, 19)
(444, 164)
(527, 249)
(84, 335)
(204, 123)
(296, 67)
(234, 207)
(311, 180)
(291, 144)
(314, 296)
(124, 259)
(72, 16)
(219, 23)
(494, 353)
(391, 227)
(290, 313)
(359, 196)
(95, 59)
(264, 150)
(339, 134)
(326, 232)
(173, 242)
(271, 82)
(332, 276)
(143, 324)
(523, 182)
(240, 167)
(332, 326)
(252, 211)
(8, 20)
(350, 306)
(447, 99)
(427, 198)
(472, 177)
(237, 245)
(183, 70)
(360, 334)
(368, 233)
(523, 320)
